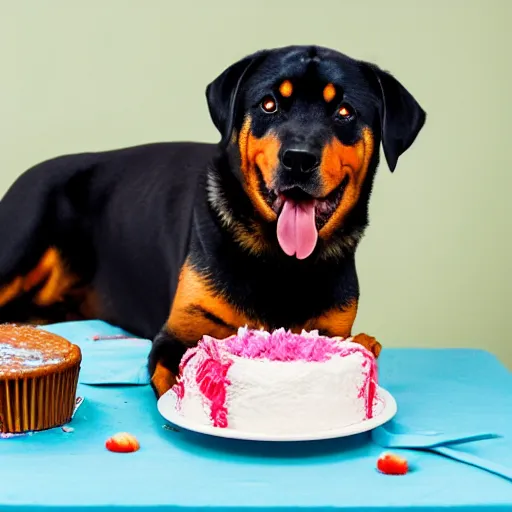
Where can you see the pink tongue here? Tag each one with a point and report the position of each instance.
(296, 229)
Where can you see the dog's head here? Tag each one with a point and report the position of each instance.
(301, 128)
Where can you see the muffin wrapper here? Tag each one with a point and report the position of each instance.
(38, 403)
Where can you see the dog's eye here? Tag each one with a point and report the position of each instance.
(269, 105)
(345, 112)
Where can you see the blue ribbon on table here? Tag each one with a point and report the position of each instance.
(396, 435)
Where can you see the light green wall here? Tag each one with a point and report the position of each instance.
(435, 264)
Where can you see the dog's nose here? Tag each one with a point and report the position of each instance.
(297, 159)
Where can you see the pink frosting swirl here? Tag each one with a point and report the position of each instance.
(283, 345)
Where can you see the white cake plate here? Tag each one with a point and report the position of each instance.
(167, 408)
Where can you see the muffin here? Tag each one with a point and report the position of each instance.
(38, 379)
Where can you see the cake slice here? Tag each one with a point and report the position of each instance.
(277, 382)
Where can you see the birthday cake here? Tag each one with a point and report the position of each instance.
(38, 379)
(277, 382)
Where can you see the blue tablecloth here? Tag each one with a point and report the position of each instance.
(437, 389)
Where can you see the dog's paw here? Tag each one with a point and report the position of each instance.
(369, 343)
(162, 380)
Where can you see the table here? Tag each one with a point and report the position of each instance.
(446, 389)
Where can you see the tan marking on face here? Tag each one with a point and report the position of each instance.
(340, 161)
(329, 93)
(258, 153)
(286, 89)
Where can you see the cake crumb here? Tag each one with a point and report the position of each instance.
(171, 428)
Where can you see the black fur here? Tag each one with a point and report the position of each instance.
(126, 220)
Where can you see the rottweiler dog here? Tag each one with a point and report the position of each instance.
(172, 241)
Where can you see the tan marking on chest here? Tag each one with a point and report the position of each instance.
(335, 322)
(199, 310)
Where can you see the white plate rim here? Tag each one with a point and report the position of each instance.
(166, 407)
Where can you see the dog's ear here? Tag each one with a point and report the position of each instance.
(223, 93)
(401, 116)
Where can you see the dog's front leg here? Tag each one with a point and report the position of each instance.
(164, 359)
(339, 321)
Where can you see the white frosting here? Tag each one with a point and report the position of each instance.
(284, 397)
(10, 354)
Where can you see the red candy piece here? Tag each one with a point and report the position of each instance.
(391, 464)
(122, 442)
